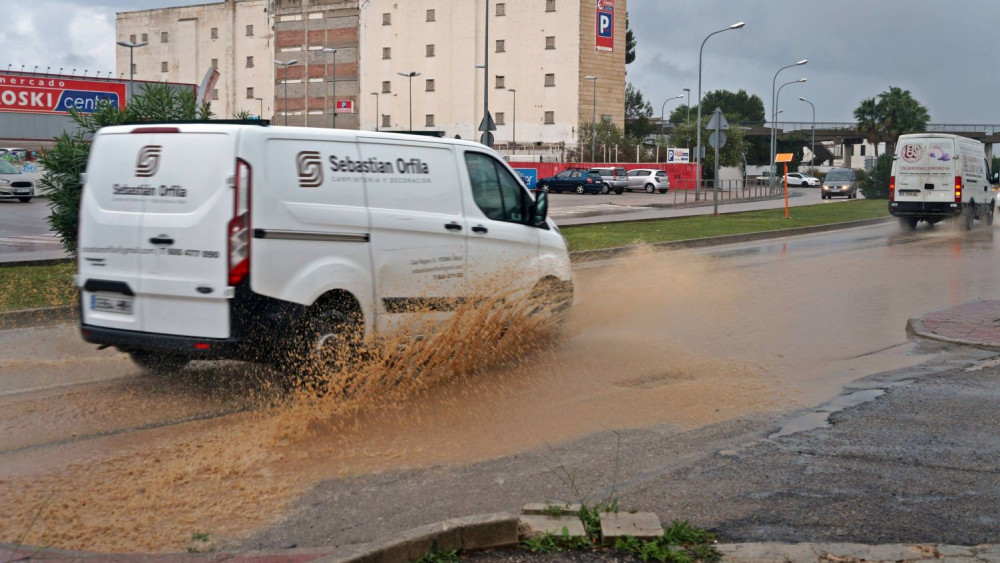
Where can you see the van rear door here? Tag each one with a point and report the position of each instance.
(926, 170)
(172, 194)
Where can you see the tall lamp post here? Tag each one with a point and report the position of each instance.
(593, 119)
(333, 84)
(261, 115)
(736, 25)
(285, 65)
(777, 99)
(662, 115)
(774, 116)
(513, 123)
(812, 147)
(131, 64)
(410, 75)
(377, 116)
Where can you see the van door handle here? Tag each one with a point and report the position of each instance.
(453, 226)
(162, 239)
(480, 229)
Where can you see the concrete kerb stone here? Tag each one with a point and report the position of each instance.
(28, 318)
(640, 525)
(471, 533)
(915, 327)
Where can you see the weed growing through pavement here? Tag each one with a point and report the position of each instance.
(680, 543)
(436, 555)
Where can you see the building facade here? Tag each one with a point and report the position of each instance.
(234, 37)
(547, 67)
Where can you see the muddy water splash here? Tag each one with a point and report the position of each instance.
(493, 381)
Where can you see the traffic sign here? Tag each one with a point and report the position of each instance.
(717, 139)
(718, 120)
(486, 138)
(487, 124)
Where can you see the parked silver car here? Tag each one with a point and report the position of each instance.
(13, 184)
(648, 179)
(615, 179)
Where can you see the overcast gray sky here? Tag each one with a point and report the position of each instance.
(939, 50)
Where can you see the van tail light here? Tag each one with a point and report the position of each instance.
(238, 232)
(958, 189)
(892, 189)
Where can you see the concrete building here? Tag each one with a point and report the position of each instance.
(234, 36)
(541, 49)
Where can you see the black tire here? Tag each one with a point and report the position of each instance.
(552, 297)
(158, 364)
(650, 188)
(24, 199)
(989, 213)
(908, 223)
(580, 189)
(605, 188)
(804, 184)
(663, 191)
(969, 216)
(620, 191)
(543, 187)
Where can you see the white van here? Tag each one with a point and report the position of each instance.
(936, 176)
(201, 241)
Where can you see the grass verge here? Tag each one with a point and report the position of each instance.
(610, 235)
(33, 287)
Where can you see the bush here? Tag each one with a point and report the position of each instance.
(67, 160)
(876, 184)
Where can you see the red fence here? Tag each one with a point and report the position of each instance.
(682, 176)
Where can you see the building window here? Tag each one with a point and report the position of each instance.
(164, 37)
(250, 92)
(145, 37)
(550, 5)
(429, 85)
(386, 87)
(501, 9)
(429, 120)
(215, 63)
(131, 38)
(550, 117)
(499, 118)
(430, 15)
(550, 79)
(215, 33)
(215, 94)
(550, 42)
(386, 120)
(499, 82)
(429, 50)
(249, 62)
(250, 30)
(386, 52)
(163, 67)
(387, 19)
(501, 46)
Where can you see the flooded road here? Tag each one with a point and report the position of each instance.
(95, 456)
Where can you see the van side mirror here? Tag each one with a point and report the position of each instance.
(540, 209)
(995, 178)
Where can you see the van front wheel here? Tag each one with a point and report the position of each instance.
(158, 364)
(989, 213)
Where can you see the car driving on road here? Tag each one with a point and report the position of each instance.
(804, 180)
(648, 179)
(579, 180)
(840, 182)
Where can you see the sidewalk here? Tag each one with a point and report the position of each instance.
(972, 324)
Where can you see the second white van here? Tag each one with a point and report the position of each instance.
(201, 241)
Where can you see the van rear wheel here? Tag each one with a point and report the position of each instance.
(158, 364)
(989, 213)
(969, 216)
(908, 223)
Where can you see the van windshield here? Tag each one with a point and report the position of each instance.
(839, 176)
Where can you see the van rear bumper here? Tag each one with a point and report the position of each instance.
(922, 209)
(194, 348)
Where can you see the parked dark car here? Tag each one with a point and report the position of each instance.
(579, 180)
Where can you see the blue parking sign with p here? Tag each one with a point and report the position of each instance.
(605, 27)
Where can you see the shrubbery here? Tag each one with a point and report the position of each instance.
(876, 184)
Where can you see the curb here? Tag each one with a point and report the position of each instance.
(607, 253)
(31, 318)
(915, 327)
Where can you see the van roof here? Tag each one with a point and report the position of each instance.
(286, 132)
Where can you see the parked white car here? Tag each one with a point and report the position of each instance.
(14, 184)
(648, 179)
(804, 180)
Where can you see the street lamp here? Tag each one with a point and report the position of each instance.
(777, 98)
(774, 115)
(410, 75)
(261, 100)
(513, 122)
(333, 83)
(593, 119)
(285, 65)
(677, 97)
(737, 25)
(131, 64)
(812, 147)
(377, 116)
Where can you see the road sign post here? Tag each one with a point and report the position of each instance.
(717, 138)
(785, 158)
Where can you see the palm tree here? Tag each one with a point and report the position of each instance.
(869, 123)
(900, 114)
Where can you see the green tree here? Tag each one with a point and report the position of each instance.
(900, 114)
(67, 160)
(732, 154)
(637, 114)
(876, 184)
(869, 123)
(629, 42)
(606, 135)
(740, 108)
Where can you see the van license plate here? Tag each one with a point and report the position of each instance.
(122, 305)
